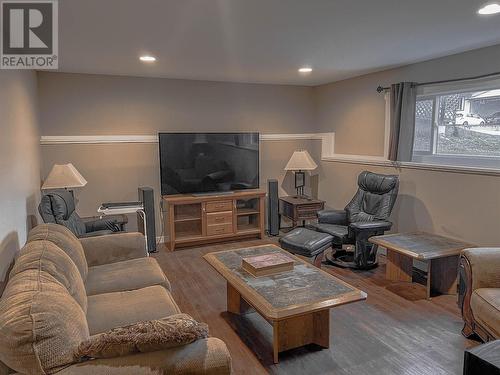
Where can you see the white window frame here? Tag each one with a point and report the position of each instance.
(456, 160)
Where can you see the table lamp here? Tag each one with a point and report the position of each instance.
(299, 162)
(63, 176)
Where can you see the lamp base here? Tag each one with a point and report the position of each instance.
(300, 181)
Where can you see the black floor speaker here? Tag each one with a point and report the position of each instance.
(273, 219)
(146, 196)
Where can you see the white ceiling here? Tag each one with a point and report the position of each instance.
(265, 41)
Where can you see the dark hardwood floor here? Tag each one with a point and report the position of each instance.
(392, 332)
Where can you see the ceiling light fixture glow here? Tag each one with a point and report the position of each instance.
(305, 70)
(147, 58)
(492, 8)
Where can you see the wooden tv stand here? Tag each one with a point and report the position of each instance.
(200, 219)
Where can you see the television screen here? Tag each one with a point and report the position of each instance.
(208, 162)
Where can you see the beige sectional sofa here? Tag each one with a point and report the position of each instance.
(62, 290)
(480, 292)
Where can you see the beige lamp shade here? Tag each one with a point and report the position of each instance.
(301, 161)
(63, 176)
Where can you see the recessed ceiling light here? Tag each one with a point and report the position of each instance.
(305, 69)
(492, 8)
(147, 58)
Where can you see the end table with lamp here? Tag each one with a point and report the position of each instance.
(300, 207)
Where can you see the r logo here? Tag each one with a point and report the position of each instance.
(27, 28)
(29, 34)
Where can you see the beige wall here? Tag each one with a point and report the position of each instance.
(19, 162)
(80, 104)
(84, 104)
(452, 204)
(459, 205)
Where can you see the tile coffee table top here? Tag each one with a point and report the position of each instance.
(305, 288)
(421, 245)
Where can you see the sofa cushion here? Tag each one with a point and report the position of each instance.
(47, 257)
(485, 305)
(41, 325)
(65, 240)
(111, 310)
(126, 275)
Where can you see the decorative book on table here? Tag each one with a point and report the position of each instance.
(267, 264)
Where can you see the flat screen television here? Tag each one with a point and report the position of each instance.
(208, 162)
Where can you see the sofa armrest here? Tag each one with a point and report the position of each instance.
(338, 217)
(484, 264)
(206, 356)
(112, 248)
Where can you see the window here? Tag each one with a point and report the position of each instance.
(458, 124)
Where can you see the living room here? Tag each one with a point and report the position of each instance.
(317, 93)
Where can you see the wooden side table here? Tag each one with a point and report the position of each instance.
(439, 253)
(300, 208)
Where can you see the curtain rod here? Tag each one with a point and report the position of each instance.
(382, 89)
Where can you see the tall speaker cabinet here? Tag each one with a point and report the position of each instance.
(196, 219)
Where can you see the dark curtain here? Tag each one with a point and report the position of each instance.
(403, 101)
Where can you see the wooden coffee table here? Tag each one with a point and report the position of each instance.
(296, 303)
(441, 255)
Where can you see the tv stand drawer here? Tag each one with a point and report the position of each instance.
(217, 206)
(213, 230)
(224, 217)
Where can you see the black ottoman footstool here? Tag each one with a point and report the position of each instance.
(306, 242)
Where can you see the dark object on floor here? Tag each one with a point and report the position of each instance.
(365, 216)
(273, 217)
(483, 359)
(58, 207)
(308, 243)
(300, 208)
(479, 292)
(147, 224)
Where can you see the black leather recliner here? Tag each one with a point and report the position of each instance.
(365, 216)
(59, 207)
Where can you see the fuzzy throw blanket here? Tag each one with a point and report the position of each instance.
(148, 336)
